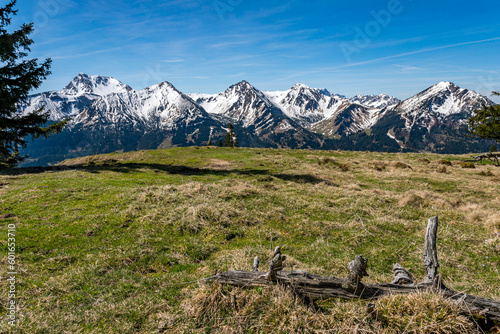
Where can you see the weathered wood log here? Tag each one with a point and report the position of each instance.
(315, 286)
(310, 286)
(493, 156)
(430, 250)
(401, 275)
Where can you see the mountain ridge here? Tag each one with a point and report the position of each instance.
(103, 108)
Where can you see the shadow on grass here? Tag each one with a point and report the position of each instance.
(165, 168)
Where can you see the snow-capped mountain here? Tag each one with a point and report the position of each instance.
(107, 116)
(442, 100)
(253, 111)
(124, 119)
(349, 119)
(434, 119)
(331, 114)
(94, 85)
(159, 106)
(307, 105)
(241, 103)
(75, 97)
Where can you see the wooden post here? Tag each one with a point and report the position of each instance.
(430, 250)
(276, 264)
(256, 262)
(357, 267)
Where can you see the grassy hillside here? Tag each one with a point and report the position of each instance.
(117, 243)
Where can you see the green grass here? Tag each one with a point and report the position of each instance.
(117, 242)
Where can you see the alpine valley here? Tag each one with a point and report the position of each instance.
(107, 116)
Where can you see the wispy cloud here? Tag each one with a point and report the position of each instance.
(407, 69)
(173, 61)
(79, 55)
(404, 54)
(227, 44)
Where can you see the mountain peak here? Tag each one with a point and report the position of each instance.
(443, 99)
(302, 87)
(243, 83)
(242, 86)
(84, 84)
(162, 85)
(444, 86)
(299, 86)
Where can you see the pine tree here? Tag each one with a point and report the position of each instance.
(486, 122)
(493, 148)
(235, 141)
(17, 78)
(228, 142)
(209, 142)
(231, 140)
(220, 143)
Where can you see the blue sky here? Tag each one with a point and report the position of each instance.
(398, 47)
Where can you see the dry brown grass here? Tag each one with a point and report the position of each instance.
(445, 162)
(418, 198)
(441, 169)
(486, 173)
(477, 213)
(465, 164)
(219, 164)
(400, 165)
(434, 314)
(157, 232)
(103, 159)
(276, 309)
(379, 165)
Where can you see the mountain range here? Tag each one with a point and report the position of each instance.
(107, 116)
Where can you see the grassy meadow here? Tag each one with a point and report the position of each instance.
(121, 243)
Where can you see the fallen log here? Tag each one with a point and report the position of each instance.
(492, 156)
(312, 286)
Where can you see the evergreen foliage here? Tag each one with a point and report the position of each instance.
(17, 78)
(231, 139)
(486, 122)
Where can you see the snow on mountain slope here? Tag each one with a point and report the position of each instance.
(434, 119)
(76, 96)
(158, 106)
(207, 102)
(259, 121)
(375, 101)
(108, 115)
(84, 84)
(443, 99)
(306, 105)
(319, 110)
(349, 119)
(241, 103)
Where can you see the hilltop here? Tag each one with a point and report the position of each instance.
(121, 242)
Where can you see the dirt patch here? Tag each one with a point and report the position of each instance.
(219, 164)
(100, 160)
